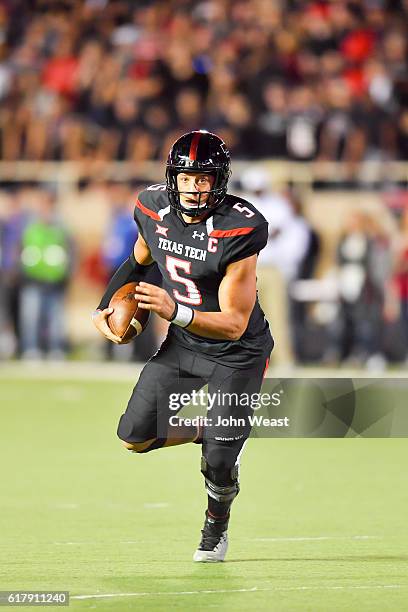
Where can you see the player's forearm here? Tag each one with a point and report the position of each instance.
(219, 325)
(130, 271)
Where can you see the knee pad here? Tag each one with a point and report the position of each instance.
(221, 484)
(222, 456)
(134, 430)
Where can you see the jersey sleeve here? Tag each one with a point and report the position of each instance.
(242, 246)
(138, 221)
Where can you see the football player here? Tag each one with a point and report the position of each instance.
(205, 243)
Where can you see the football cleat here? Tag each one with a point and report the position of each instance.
(214, 541)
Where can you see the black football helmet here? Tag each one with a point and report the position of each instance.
(198, 151)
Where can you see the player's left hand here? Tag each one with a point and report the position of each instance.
(155, 299)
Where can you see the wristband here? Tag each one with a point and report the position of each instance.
(182, 315)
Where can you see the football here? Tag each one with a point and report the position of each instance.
(127, 320)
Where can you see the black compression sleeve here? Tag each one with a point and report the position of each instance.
(129, 272)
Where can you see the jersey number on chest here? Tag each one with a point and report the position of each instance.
(191, 294)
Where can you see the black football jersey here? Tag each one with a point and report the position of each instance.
(192, 258)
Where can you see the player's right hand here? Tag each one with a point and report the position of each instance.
(100, 320)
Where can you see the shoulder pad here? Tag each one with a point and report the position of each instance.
(236, 217)
(152, 201)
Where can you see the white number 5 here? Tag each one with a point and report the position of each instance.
(193, 296)
(244, 209)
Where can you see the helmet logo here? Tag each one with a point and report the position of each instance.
(189, 163)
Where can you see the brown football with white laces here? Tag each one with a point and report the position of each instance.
(127, 320)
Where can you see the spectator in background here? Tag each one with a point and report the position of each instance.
(189, 109)
(45, 263)
(363, 258)
(272, 122)
(158, 120)
(304, 120)
(122, 233)
(6, 349)
(318, 77)
(118, 243)
(307, 255)
(398, 304)
(180, 71)
(13, 224)
(402, 136)
(342, 136)
(280, 261)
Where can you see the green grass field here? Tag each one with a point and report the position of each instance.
(319, 524)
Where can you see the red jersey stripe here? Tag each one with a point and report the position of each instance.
(239, 231)
(147, 211)
(266, 368)
(194, 146)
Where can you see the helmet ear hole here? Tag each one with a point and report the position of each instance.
(204, 152)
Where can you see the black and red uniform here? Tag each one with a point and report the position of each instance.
(192, 258)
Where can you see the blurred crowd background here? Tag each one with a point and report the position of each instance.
(312, 101)
(120, 79)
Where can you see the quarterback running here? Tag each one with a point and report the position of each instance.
(205, 243)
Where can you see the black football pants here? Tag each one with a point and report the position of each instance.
(174, 371)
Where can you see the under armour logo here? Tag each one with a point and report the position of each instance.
(198, 235)
(161, 230)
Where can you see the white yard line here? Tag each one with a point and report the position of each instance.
(251, 590)
(315, 538)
